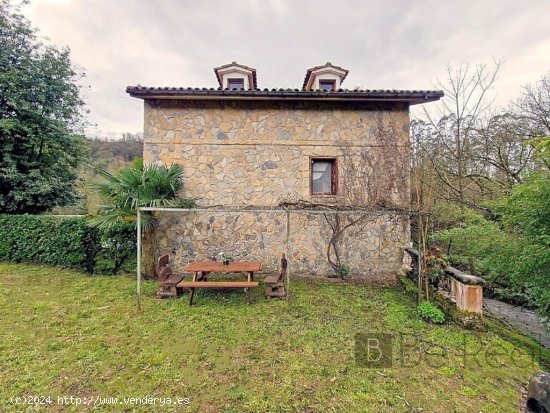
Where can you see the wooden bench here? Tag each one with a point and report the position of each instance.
(275, 284)
(167, 280)
(217, 284)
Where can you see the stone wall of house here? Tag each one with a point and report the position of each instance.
(258, 153)
(244, 153)
(370, 248)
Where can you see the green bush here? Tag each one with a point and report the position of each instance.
(511, 251)
(501, 258)
(117, 250)
(67, 242)
(46, 239)
(344, 271)
(447, 216)
(429, 312)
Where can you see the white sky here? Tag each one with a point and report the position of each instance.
(385, 44)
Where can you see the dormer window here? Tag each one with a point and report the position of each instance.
(327, 85)
(235, 84)
(236, 76)
(326, 77)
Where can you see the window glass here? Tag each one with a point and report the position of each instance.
(321, 176)
(327, 85)
(235, 83)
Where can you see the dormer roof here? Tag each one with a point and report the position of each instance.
(318, 71)
(233, 67)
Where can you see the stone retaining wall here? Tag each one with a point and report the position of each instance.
(374, 246)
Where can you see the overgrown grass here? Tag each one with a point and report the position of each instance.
(66, 334)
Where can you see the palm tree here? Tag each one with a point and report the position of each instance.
(139, 186)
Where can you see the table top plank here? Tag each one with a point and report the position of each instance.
(218, 284)
(219, 267)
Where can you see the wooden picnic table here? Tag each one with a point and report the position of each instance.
(201, 270)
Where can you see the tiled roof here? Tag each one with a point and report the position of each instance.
(410, 96)
(328, 64)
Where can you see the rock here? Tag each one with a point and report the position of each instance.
(538, 393)
(270, 165)
(283, 135)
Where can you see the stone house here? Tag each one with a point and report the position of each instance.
(319, 146)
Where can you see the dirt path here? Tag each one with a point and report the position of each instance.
(524, 320)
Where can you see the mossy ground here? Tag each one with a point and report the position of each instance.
(63, 333)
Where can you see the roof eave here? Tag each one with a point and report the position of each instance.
(411, 99)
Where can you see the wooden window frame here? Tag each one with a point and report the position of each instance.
(331, 81)
(235, 79)
(333, 177)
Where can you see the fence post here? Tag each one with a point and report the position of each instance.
(138, 259)
(287, 253)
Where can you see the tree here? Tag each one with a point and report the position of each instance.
(534, 107)
(502, 152)
(447, 135)
(41, 121)
(541, 148)
(139, 186)
(466, 154)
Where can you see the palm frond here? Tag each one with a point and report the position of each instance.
(140, 186)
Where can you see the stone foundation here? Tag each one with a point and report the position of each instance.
(372, 246)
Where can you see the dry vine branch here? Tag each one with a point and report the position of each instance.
(375, 182)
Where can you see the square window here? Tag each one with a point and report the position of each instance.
(323, 176)
(235, 84)
(327, 85)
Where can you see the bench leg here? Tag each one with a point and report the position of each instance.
(249, 277)
(191, 294)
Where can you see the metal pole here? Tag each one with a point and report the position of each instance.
(420, 269)
(139, 260)
(287, 253)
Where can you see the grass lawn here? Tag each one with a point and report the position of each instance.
(63, 333)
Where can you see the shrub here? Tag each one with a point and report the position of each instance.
(512, 252)
(67, 242)
(117, 250)
(61, 241)
(447, 216)
(344, 271)
(429, 312)
(498, 257)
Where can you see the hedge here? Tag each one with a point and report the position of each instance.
(67, 242)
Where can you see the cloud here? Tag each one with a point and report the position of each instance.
(390, 44)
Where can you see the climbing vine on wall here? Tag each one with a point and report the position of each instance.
(374, 185)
